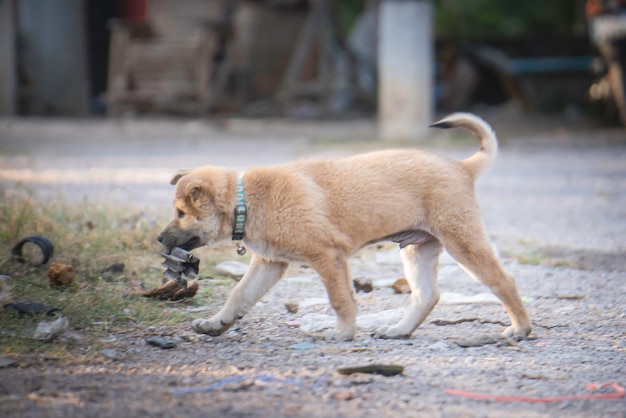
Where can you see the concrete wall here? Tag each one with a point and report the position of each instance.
(8, 75)
(53, 57)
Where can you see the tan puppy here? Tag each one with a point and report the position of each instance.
(322, 211)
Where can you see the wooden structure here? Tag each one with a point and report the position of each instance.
(199, 55)
(149, 71)
(315, 39)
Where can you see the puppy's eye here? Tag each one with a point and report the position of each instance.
(180, 214)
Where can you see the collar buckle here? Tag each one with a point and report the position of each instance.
(240, 218)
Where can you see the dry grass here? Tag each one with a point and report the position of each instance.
(90, 237)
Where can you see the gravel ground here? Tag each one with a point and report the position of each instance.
(554, 203)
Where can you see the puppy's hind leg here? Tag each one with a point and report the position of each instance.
(471, 249)
(420, 268)
(260, 277)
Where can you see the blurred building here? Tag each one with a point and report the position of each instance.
(300, 58)
(56, 55)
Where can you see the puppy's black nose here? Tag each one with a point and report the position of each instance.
(160, 238)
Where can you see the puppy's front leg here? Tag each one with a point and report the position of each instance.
(260, 277)
(333, 269)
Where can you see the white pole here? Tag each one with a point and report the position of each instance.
(405, 68)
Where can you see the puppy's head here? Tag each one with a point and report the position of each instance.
(203, 203)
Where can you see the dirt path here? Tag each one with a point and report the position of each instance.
(554, 204)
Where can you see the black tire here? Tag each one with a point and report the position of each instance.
(44, 244)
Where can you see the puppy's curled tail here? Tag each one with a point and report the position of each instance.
(482, 159)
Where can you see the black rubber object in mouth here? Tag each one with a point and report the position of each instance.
(179, 262)
(44, 244)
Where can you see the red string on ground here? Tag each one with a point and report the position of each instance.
(619, 392)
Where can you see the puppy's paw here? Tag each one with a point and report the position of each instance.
(516, 334)
(390, 332)
(209, 326)
(340, 335)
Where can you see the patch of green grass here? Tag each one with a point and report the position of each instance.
(545, 256)
(90, 237)
(530, 257)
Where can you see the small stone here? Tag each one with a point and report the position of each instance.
(341, 383)
(6, 362)
(478, 340)
(110, 353)
(372, 321)
(453, 298)
(344, 395)
(71, 338)
(190, 338)
(314, 322)
(109, 339)
(361, 379)
(197, 308)
(49, 330)
(302, 346)
(233, 269)
(439, 346)
(401, 286)
(292, 307)
(161, 342)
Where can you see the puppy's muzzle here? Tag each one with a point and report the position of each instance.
(171, 240)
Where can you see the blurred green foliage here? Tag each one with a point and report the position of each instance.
(480, 19)
(346, 12)
(507, 18)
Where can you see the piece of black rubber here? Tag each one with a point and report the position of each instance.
(31, 308)
(161, 342)
(383, 369)
(44, 244)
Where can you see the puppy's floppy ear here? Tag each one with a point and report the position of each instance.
(197, 193)
(178, 176)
